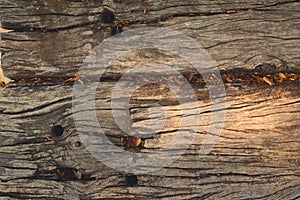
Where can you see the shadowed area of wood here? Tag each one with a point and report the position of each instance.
(256, 47)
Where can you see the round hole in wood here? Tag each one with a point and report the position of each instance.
(108, 16)
(77, 144)
(131, 180)
(57, 130)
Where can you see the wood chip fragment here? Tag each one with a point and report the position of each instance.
(2, 30)
(229, 80)
(292, 76)
(280, 77)
(130, 141)
(3, 79)
(267, 80)
(230, 11)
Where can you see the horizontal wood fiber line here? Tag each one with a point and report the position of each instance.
(257, 154)
(246, 39)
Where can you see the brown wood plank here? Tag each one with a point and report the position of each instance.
(266, 34)
(257, 155)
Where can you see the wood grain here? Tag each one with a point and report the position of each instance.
(268, 34)
(259, 146)
(257, 155)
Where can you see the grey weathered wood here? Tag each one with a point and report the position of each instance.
(244, 39)
(258, 146)
(257, 154)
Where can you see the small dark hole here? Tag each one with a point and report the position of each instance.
(131, 180)
(116, 29)
(108, 16)
(57, 131)
(77, 144)
(164, 18)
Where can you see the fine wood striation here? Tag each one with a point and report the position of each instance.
(257, 155)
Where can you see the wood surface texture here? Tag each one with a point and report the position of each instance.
(257, 155)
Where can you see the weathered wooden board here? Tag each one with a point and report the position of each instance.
(257, 155)
(243, 39)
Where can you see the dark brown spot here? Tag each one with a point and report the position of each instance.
(108, 16)
(57, 130)
(65, 174)
(131, 180)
